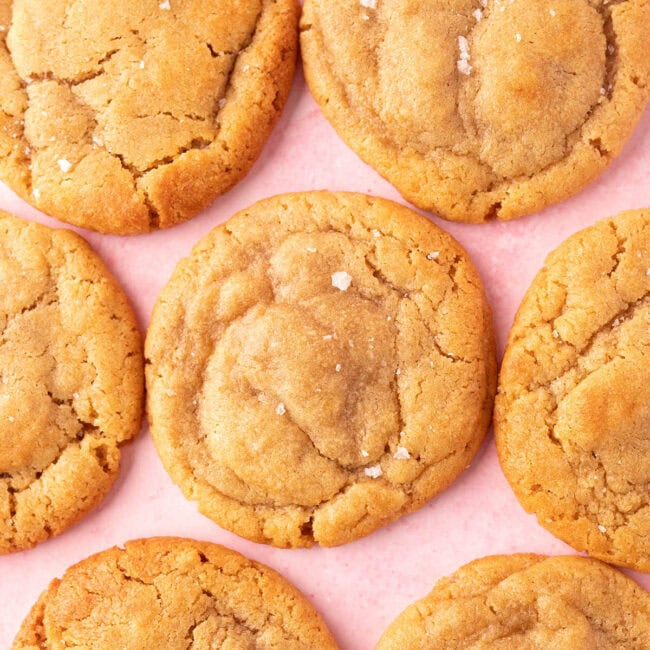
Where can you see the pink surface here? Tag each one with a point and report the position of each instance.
(361, 587)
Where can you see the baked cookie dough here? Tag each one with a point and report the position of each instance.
(125, 117)
(512, 602)
(480, 109)
(319, 366)
(71, 381)
(174, 594)
(572, 418)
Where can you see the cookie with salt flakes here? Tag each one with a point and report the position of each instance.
(125, 117)
(527, 601)
(480, 109)
(572, 418)
(71, 381)
(319, 366)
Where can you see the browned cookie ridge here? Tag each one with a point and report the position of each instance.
(572, 418)
(176, 594)
(124, 117)
(531, 602)
(319, 366)
(480, 109)
(71, 381)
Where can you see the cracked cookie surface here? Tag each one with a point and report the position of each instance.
(319, 366)
(124, 117)
(71, 381)
(572, 418)
(172, 593)
(480, 109)
(527, 601)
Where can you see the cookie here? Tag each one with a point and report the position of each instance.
(175, 594)
(125, 117)
(480, 109)
(319, 366)
(71, 381)
(572, 418)
(527, 601)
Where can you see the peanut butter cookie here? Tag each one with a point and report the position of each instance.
(124, 116)
(71, 381)
(480, 109)
(515, 602)
(319, 366)
(573, 414)
(172, 594)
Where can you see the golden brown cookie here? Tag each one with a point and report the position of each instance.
(319, 366)
(172, 594)
(573, 414)
(125, 116)
(527, 602)
(71, 381)
(480, 109)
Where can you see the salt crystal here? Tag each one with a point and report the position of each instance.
(402, 453)
(552, 12)
(165, 5)
(12, 418)
(36, 193)
(141, 65)
(556, 334)
(376, 233)
(338, 367)
(434, 255)
(170, 392)
(364, 453)
(328, 337)
(602, 528)
(518, 38)
(310, 249)
(341, 280)
(373, 472)
(280, 409)
(478, 15)
(64, 165)
(368, 4)
(464, 67)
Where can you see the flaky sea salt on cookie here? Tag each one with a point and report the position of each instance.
(71, 381)
(319, 366)
(572, 418)
(125, 117)
(172, 594)
(512, 602)
(480, 109)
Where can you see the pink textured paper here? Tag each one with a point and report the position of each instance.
(361, 587)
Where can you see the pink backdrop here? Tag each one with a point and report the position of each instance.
(361, 587)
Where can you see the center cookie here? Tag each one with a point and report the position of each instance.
(480, 109)
(321, 364)
(125, 116)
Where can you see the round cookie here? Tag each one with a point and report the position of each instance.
(480, 109)
(527, 601)
(319, 366)
(71, 381)
(572, 418)
(175, 594)
(125, 117)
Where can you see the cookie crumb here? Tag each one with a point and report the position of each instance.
(280, 409)
(64, 165)
(165, 5)
(341, 280)
(402, 453)
(373, 472)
